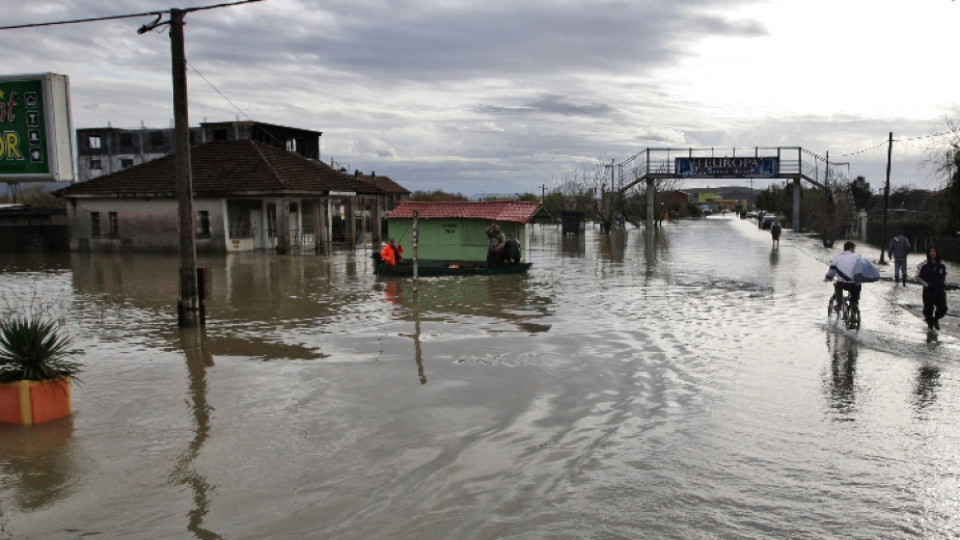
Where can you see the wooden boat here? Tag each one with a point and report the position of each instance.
(445, 268)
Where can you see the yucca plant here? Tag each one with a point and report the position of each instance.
(35, 349)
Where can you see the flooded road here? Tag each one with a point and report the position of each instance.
(684, 383)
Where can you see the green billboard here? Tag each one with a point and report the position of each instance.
(36, 135)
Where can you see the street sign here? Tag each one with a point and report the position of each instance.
(36, 131)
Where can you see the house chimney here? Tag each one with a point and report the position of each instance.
(356, 173)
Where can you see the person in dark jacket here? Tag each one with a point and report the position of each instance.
(898, 250)
(775, 231)
(932, 274)
(511, 250)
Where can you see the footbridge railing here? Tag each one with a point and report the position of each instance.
(765, 162)
(793, 163)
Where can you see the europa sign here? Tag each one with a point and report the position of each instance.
(727, 167)
(36, 133)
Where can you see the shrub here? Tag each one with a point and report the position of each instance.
(35, 349)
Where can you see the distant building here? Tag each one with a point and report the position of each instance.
(102, 151)
(26, 229)
(678, 198)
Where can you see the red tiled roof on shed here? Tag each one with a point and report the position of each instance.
(226, 168)
(516, 211)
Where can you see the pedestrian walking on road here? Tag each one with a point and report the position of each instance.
(775, 231)
(898, 250)
(932, 274)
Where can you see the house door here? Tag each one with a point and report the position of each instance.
(293, 224)
(256, 229)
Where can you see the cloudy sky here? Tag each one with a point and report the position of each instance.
(498, 96)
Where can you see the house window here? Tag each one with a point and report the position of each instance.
(239, 223)
(271, 220)
(94, 142)
(291, 145)
(114, 225)
(156, 139)
(94, 224)
(126, 139)
(95, 165)
(203, 224)
(126, 163)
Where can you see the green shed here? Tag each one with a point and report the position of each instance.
(456, 230)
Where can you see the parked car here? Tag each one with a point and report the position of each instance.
(769, 219)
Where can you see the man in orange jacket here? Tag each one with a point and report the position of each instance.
(391, 253)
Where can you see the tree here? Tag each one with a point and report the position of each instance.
(945, 157)
(953, 195)
(436, 195)
(860, 190)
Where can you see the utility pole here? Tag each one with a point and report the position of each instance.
(886, 199)
(543, 193)
(189, 308)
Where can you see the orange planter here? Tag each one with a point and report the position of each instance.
(33, 402)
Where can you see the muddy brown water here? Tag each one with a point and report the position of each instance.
(684, 383)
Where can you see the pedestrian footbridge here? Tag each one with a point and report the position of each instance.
(760, 162)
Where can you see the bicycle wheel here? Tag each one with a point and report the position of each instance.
(832, 307)
(845, 312)
(853, 318)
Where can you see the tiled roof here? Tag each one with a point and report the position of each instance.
(221, 168)
(517, 211)
(385, 183)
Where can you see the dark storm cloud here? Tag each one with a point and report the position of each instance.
(409, 40)
(391, 83)
(549, 104)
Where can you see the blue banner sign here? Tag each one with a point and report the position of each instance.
(727, 167)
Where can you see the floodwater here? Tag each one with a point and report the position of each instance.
(683, 383)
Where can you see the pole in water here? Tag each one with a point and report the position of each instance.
(416, 249)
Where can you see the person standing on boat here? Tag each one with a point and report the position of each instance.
(511, 250)
(494, 244)
(389, 253)
(397, 252)
(932, 274)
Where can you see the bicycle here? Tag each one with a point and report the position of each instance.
(849, 312)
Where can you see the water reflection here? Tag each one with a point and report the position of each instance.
(928, 383)
(37, 462)
(613, 245)
(508, 298)
(654, 243)
(574, 246)
(774, 256)
(417, 349)
(843, 369)
(393, 294)
(184, 474)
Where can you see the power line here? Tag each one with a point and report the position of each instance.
(126, 16)
(902, 139)
(224, 96)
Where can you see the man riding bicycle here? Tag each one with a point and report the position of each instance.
(843, 269)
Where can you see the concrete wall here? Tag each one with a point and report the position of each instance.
(143, 225)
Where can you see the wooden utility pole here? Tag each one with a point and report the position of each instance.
(416, 250)
(886, 199)
(189, 308)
